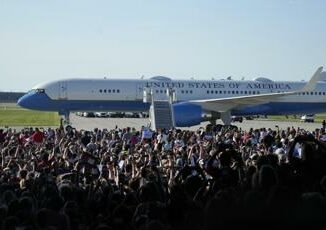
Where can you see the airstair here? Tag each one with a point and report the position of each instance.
(161, 111)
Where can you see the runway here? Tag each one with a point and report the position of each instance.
(111, 123)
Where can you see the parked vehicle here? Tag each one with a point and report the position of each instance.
(128, 115)
(101, 114)
(237, 118)
(89, 114)
(115, 114)
(308, 118)
(249, 117)
(144, 114)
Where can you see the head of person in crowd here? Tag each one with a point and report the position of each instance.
(128, 178)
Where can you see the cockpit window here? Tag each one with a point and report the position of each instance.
(39, 90)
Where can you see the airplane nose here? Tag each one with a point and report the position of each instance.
(29, 101)
(35, 101)
(23, 101)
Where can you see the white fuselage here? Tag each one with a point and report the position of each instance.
(186, 90)
(127, 95)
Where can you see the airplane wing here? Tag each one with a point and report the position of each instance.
(226, 104)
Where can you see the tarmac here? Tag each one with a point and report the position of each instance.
(111, 123)
(89, 123)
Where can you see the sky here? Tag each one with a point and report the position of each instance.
(48, 40)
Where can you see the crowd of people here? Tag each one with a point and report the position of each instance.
(125, 178)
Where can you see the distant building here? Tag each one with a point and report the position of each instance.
(10, 97)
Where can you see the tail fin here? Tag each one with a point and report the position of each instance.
(311, 85)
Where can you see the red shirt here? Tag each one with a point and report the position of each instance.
(38, 137)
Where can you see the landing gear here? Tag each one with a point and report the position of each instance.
(212, 121)
(64, 118)
(226, 117)
(213, 118)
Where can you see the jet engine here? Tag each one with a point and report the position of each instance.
(187, 114)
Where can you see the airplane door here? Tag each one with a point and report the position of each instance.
(63, 94)
(139, 91)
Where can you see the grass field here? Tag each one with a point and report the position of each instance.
(13, 115)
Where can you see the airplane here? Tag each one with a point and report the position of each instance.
(220, 98)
